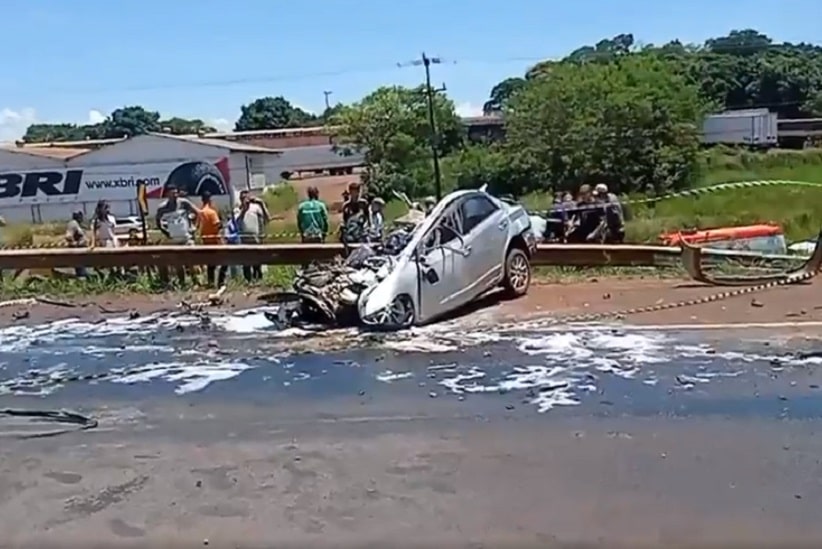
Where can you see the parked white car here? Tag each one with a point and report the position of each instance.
(122, 225)
(470, 243)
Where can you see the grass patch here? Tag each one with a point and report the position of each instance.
(280, 199)
(797, 209)
(279, 276)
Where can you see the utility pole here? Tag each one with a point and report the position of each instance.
(430, 92)
(327, 94)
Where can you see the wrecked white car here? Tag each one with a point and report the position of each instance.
(470, 243)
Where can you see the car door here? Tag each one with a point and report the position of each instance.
(442, 268)
(485, 234)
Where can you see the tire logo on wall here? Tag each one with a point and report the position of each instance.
(195, 178)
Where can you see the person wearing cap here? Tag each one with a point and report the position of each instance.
(613, 222)
(376, 220)
(428, 204)
(252, 219)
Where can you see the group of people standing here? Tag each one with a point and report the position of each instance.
(179, 220)
(363, 219)
(595, 215)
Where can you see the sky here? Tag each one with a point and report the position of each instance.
(77, 61)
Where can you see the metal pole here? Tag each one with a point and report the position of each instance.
(429, 93)
(327, 104)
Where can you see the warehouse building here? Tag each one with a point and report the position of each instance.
(42, 184)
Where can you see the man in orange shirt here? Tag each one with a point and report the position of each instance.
(210, 229)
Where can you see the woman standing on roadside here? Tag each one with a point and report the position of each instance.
(102, 229)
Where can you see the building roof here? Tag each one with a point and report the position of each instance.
(317, 157)
(488, 120)
(60, 153)
(80, 144)
(223, 144)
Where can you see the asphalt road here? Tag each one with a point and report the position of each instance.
(443, 437)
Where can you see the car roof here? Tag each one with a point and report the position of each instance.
(446, 201)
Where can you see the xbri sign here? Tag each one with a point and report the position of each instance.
(28, 185)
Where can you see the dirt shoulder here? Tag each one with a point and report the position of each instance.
(796, 303)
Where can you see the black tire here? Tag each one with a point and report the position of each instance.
(195, 178)
(518, 274)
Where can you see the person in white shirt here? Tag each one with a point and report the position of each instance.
(252, 219)
(376, 221)
(102, 227)
(174, 220)
(102, 230)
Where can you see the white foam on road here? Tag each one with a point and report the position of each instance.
(188, 378)
(556, 364)
(564, 365)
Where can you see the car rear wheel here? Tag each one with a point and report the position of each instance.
(517, 272)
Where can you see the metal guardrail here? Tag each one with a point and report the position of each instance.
(297, 254)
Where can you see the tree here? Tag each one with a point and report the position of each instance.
(42, 133)
(391, 127)
(126, 121)
(478, 165)
(745, 69)
(501, 93)
(272, 113)
(332, 111)
(633, 124)
(131, 121)
(184, 126)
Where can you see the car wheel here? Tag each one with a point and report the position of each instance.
(197, 177)
(517, 272)
(400, 314)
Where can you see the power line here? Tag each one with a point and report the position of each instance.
(294, 77)
(373, 68)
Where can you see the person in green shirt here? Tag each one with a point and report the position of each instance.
(312, 218)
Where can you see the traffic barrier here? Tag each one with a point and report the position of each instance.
(298, 254)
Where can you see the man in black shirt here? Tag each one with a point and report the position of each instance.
(355, 217)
